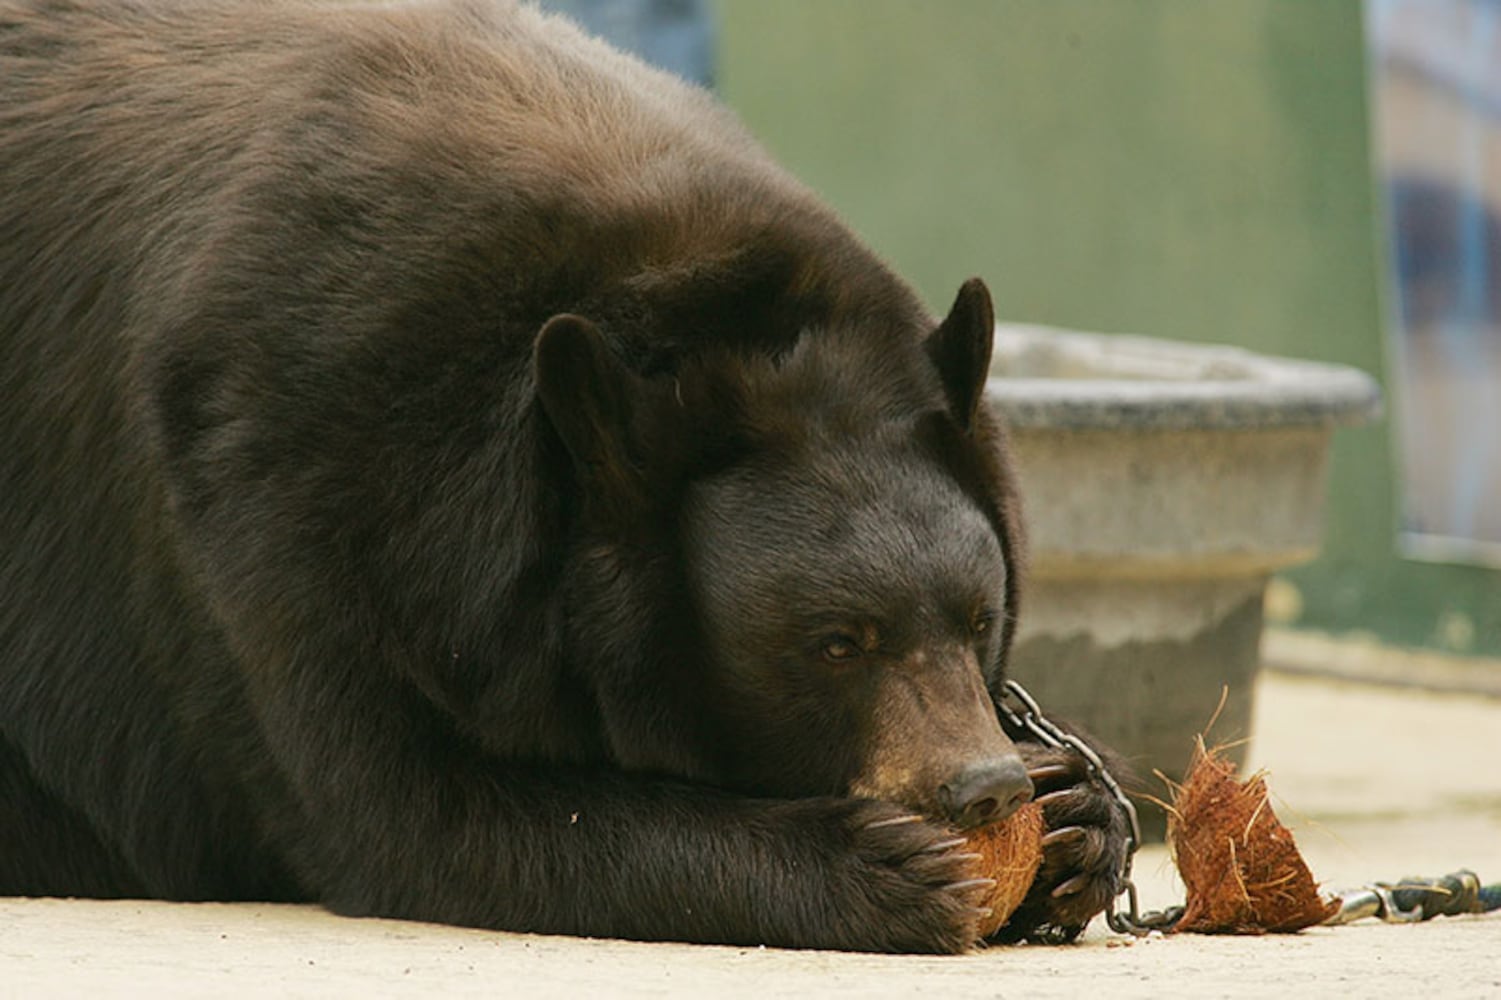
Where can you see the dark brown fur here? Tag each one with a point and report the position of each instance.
(325, 575)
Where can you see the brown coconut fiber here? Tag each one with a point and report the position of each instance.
(1010, 852)
(1243, 872)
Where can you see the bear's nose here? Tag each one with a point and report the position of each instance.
(986, 792)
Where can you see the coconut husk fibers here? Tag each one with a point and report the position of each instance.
(1243, 872)
(1010, 852)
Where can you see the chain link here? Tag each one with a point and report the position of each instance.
(1029, 718)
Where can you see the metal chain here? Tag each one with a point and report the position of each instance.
(1030, 719)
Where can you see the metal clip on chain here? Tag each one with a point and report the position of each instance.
(1414, 899)
(1030, 718)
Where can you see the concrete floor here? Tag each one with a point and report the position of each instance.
(1377, 782)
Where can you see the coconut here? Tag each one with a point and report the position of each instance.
(1240, 865)
(1010, 853)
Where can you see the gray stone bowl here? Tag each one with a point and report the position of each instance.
(1163, 483)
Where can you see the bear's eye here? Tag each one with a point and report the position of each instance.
(840, 647)
(982, 622)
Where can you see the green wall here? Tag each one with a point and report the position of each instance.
(1192, 169)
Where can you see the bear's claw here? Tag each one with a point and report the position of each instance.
(1075, 885)
(894, 821)
(964, 885)
(1064, 835)
(1048, 772)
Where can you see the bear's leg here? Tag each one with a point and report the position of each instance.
(47, 847)
(400, 819)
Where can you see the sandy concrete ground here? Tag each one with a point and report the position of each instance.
(1377, 782)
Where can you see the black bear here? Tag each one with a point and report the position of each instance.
(447, 471)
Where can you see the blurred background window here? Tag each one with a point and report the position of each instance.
(675, 35)
(1436, 75)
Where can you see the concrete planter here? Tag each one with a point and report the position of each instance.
(1163, 484)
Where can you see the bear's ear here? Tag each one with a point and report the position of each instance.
(960, 348)
(589, 395)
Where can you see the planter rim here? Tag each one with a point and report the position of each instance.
(1042, 377)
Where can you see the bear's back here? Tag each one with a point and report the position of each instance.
(360, 158)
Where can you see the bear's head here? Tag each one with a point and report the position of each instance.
(796, 574)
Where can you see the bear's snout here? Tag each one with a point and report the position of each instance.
(985, 792)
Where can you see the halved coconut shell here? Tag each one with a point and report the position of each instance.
(1010, 852)
(1241, 868)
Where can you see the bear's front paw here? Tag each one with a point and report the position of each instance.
(1084, 849)
(899, 882)
(919, 880)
